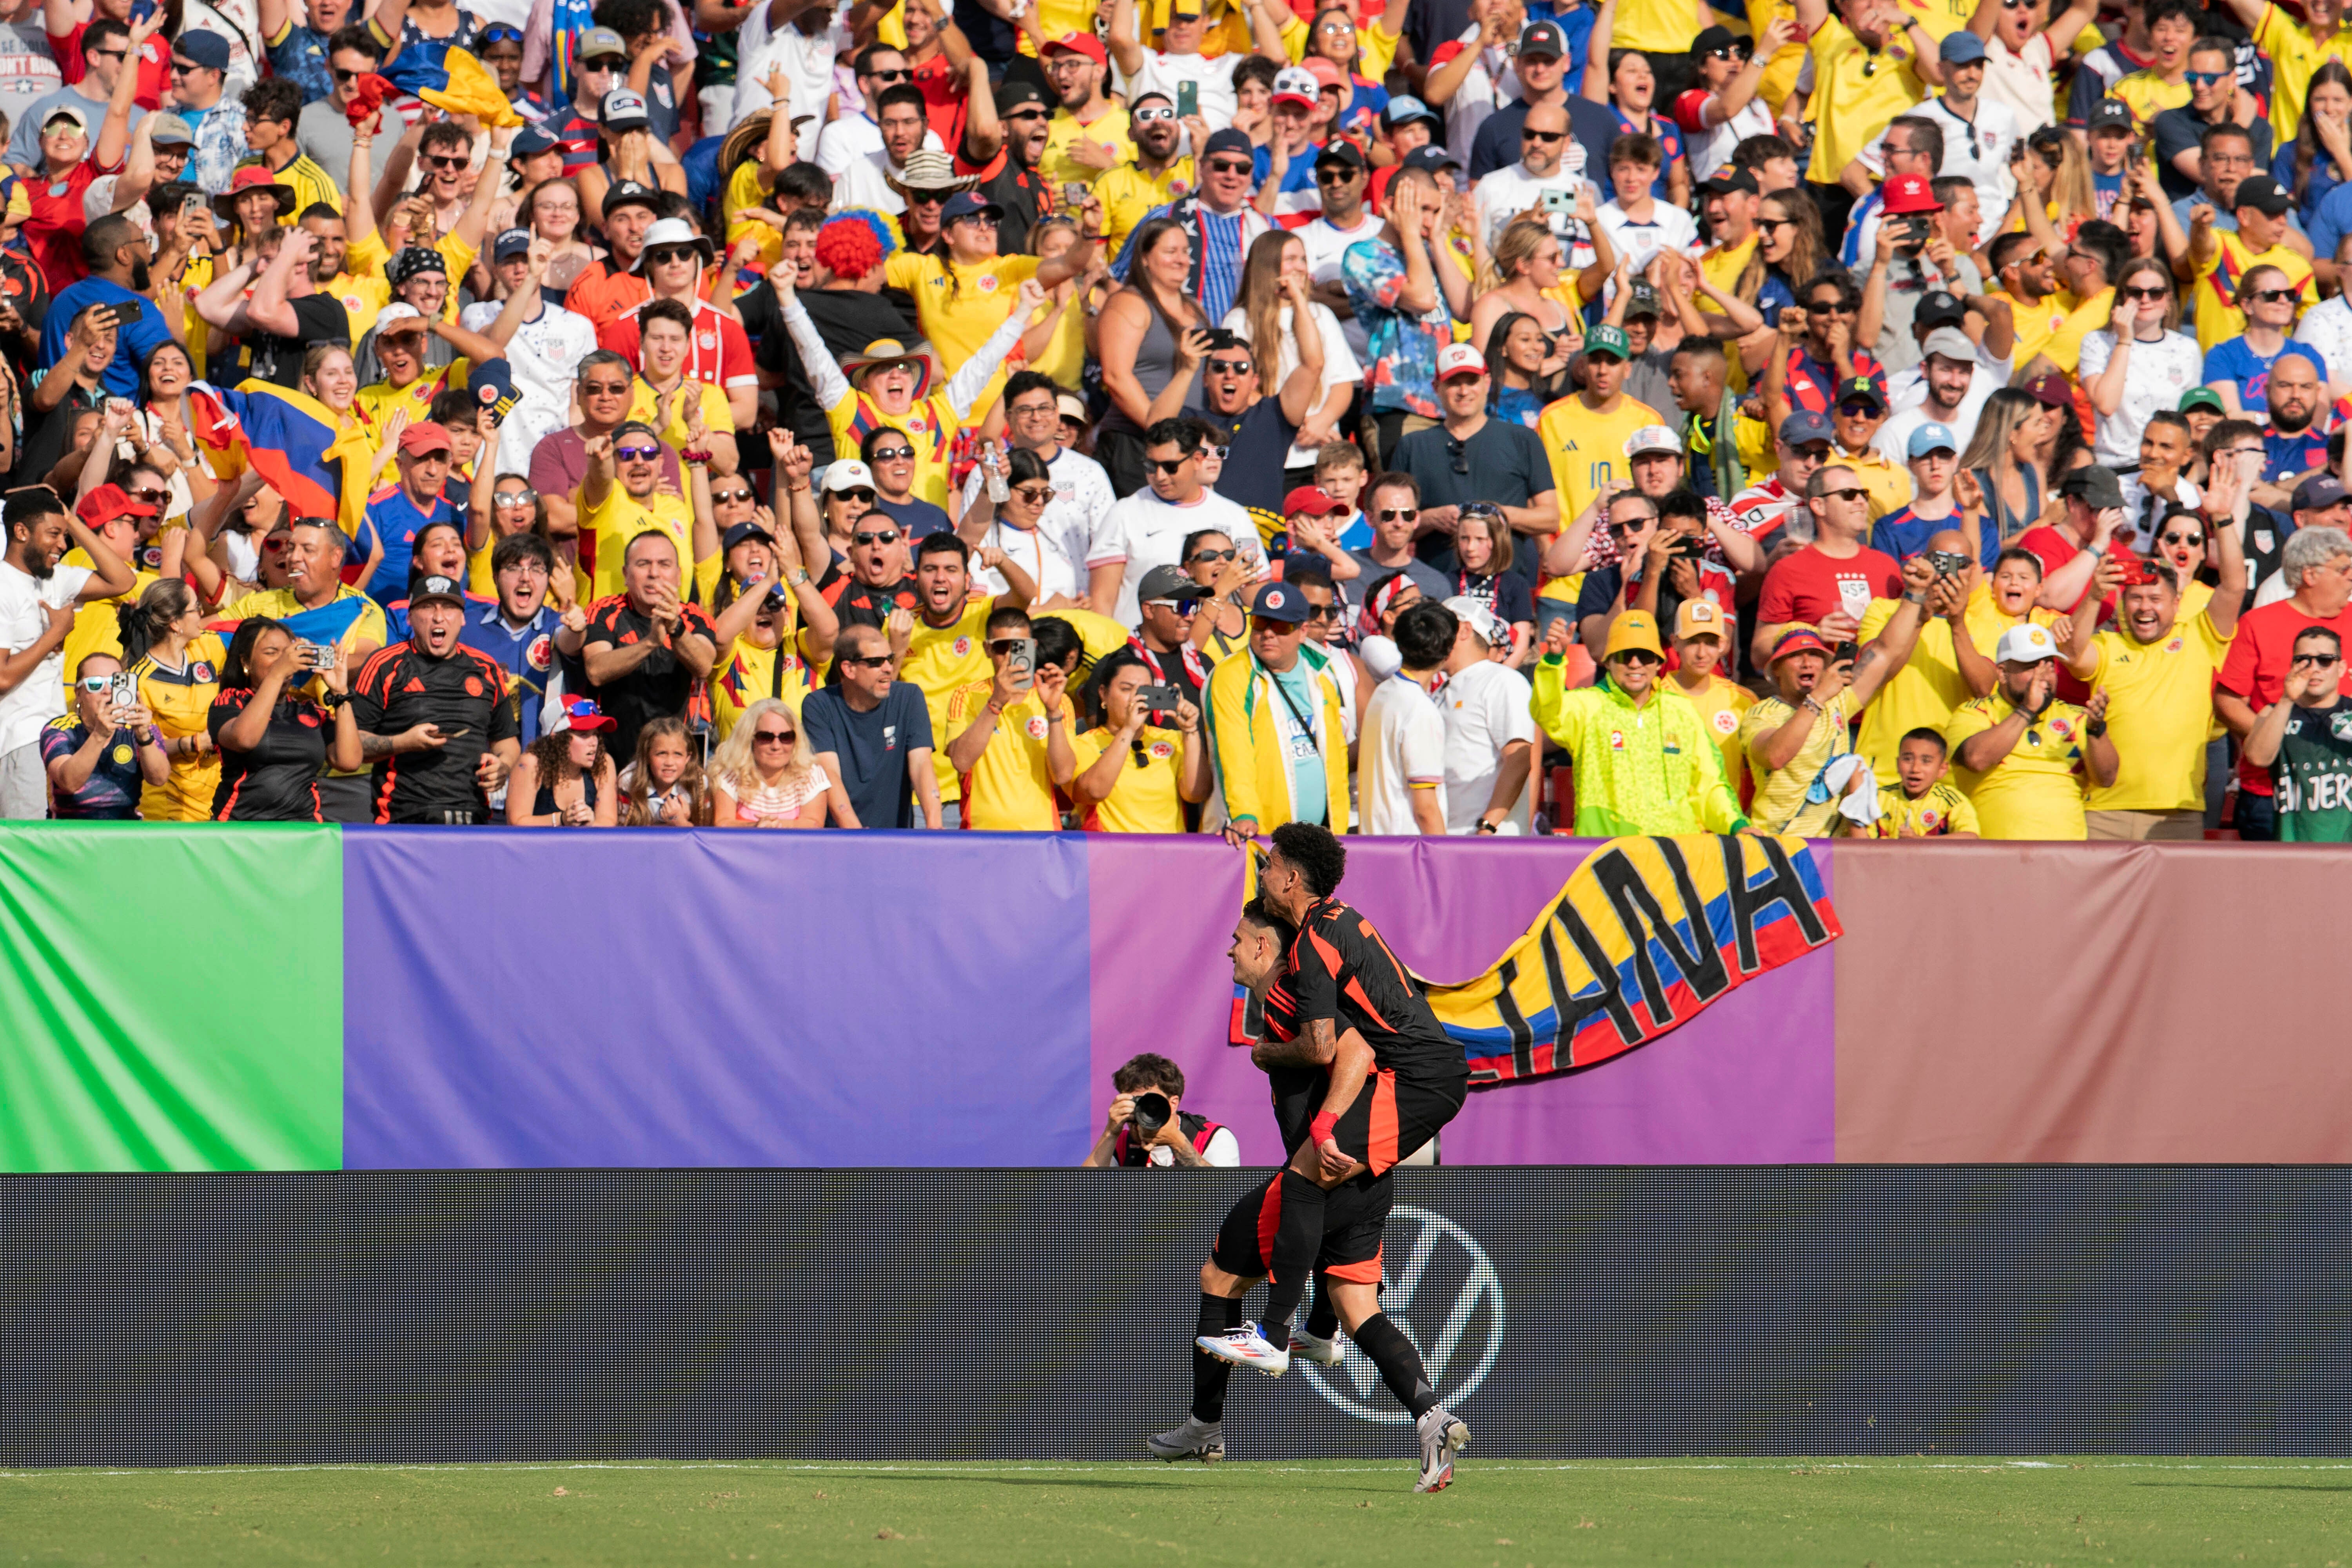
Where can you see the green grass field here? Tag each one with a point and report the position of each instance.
(1883, 1511)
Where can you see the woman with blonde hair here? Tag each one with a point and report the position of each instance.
(1265, 315)
(2002, 460)
(564, 779)
(1525, 277)
(664, 786)
(764, 774)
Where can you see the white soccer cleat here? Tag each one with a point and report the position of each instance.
(1247, 1346)
(1312, 1347)
(1196, 1439)
(1441, 1436)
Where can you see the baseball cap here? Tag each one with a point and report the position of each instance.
(2202, 398)
(1861, 389)
(81, 124)
(1340, 151)
(1652, 439)
(848, 474)
(1543, 38)
(1491, 627)
(628, 193)
(2108, 114)
(1169, 586)
(1642, 300)
(1460, 359)
(598, 42)
(1799, 639)
(427, 436)
(2051, 391)
(1070, 405)
(1432, 157)
(1960, 48)
(2319, 491)
(1296, 84)
(1698, 618)
(2264, 195)
(1085, 44)
(742, 532)
(1805, 426)
(529, 143)
(1313, 499)
(1907, 193)
(390, 319)
(1948, 342)
(1726, 180)
(492, 385)
(207, 49)
(967, 204)
(1280, 601)
(1712, 38)
(1014, 92)
(510, 242)
(109, 501)
(2095, 487)
(170, 131)
(1941, 307)
(1931, 438)
(1403, 110)
(1608, 340)
(582, 713)
(2027, 644)
(434, 586)
(1229, 140)
(1326, 72)
(624, 111)
(1635, 631)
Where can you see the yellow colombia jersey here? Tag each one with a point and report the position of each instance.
(2034, 791)
(747, 672)
(1147, 798)
(1780, 73)
(97, 628)
(1721, 704)
(1857, 91)
(2216, 289)
(2294, 54)
(1783, 796)
(959, 307)
(941, 661)
(1111, 128)
(1127, 194)
(379, 400)
(717, 418)
(2147, 94)
(2160, 707)
(1921, 695)
(1939, 814)
(182, 702)
(606, 529)
(1375, 49)
(1009, 789)
(1586, 450)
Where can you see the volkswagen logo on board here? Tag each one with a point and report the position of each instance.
(1443, 1291)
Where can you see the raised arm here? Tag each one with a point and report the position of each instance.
(964, 387)
(476, 219)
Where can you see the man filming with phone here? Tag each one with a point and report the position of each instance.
(436, 719)
(1146, 1125)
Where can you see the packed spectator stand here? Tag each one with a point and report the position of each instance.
(1444, 416)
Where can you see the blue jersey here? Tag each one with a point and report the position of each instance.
(394, 519)
(526, 652)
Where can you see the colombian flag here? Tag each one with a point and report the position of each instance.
(315, 459)
(455, 81)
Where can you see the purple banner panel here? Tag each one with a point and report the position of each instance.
(1751, 1081)
(665, 999)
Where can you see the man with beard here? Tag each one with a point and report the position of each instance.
(1011, 181)
(948, 649)
(436, 718)
(1256, 431)
(859, 149)
(1090, 132)
(115, 251)
(2294, 442)
(1133, 190)
(39, 599)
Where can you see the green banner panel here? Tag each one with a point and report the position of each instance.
(173, 997)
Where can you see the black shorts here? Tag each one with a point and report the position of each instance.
(1355, 1215)
(1391, 1117)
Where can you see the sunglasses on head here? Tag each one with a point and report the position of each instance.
(1167, 466)
(893, 454)
(637, 454)
(876, 536)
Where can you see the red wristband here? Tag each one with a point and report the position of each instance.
(1321, 1128)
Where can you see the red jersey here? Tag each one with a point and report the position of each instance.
(54, 232)
(717, 352)
(2257, 666)
(155, 67)
(1808, 585)
(946, 99)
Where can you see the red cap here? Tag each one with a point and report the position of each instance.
(1906, 194)
(1085, 44)
(1325, 72)
(1312, 500)
(253, 176)
(427, 436)
(106, 502)
(1801, 641)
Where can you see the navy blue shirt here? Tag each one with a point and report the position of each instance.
(527, 653)
(873, 749)
(916, 518)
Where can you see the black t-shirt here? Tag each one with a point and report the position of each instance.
(1298, 1091)
(466, 695)
(278, 781)
(872, 749)
(1503, 463)
(657, 688)
(1341, 970)
(2175, 131)
(2265, 535)
(1019, 192)
(51, 434)
(1256, 445)
(848, 320)
(278, 361)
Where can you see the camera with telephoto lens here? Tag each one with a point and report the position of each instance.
(1151, 1114)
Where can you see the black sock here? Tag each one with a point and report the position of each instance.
(1400, 1363)
(1322, 1318)
(1210, 1375)
(1297, 1237)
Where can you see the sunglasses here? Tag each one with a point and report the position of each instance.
(879, 536)
(986, 220)
(1214, 555)
(1336, 175)
(2197, 539)
(927, 198)
(605, 388)
(103, 54)
(1167, 466)
(2272, 296)
(1229, 367)
(722, 496)
(152, 497)
(2204, 79)
(637, 454)
(669, 253)
(1729, 53)
(1637, 656)
(901, 74)
(2151, 296)
(1460, 454)
(774, 737)
(1850, 492)
(1834, 307)
(1152, 116)
(1260, 625)
(1398, 513)
(1776, 223)
(1322, 612)
(1026, 114)
(870, 661)
(2313, 660)
(96, 683)
(1188, 608)
(1857, 410)
(451, 162)
(1546, 137)
(893, 454)
(182, 68)
(1230, 166)
(1035, 494)
(1634, 527)
(343, 75)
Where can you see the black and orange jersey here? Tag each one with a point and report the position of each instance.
(857, 604)
(1341, 970)
(466, 695)
(1298, 1091)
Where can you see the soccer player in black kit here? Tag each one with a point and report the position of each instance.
(1345, 1018)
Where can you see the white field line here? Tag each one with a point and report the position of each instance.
(1010, 1467)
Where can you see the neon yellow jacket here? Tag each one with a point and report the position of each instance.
(1247, 741)
(1652, 769)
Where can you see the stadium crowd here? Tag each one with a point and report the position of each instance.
(1909, 419)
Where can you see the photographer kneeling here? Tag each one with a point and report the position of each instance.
(1147, 1126)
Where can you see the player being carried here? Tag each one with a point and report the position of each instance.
(1344, 1019)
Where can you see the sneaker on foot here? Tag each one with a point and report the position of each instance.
(1196, 1439)
(1441, 1436)
(1249, 1346)
(1314, 1348)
